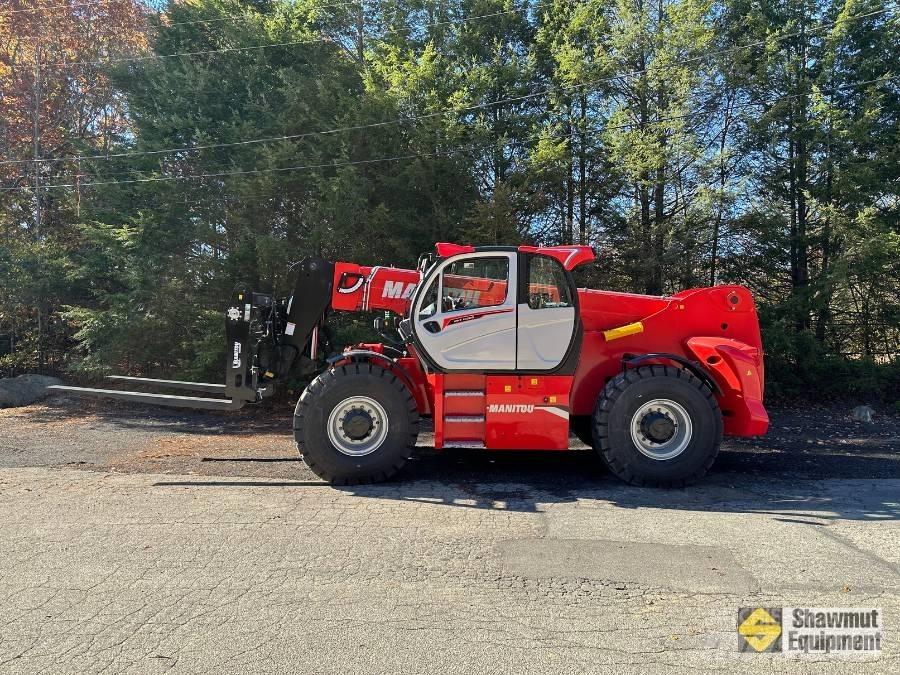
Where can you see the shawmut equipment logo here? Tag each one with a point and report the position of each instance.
(759, 629)
(830, 631)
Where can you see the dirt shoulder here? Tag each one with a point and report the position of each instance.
(815, 442)
(240, 560)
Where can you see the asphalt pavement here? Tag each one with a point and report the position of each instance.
(139, 540)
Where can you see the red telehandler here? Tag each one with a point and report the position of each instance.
(500, 348)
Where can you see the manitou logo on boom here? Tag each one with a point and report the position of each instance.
(510, 408)
(236, 356)
(398, 290)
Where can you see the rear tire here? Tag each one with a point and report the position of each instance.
(657, 426)
(356, 423)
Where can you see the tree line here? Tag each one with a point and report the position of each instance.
(153, 156)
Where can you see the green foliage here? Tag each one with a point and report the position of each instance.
(691, 141)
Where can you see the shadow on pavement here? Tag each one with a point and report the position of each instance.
(253, 419)
(251, 459)
(799, 472)
(743, 481)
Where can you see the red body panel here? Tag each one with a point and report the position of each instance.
(738, 370)
(501, 412)
(358, 288)
(716, 327)
(527, 412)
(570, 256)
(455, 415)
(408, 368)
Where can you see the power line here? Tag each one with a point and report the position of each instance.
(244, 172)
(660, 120)
(238, 172)
(67, 5)
(247, 172)
(228, 17)
(431, 115)
(32, 10)
(458, 110)
(538, 135)
(459, 148)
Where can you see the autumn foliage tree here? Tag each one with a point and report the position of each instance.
(56, 104)
(155, 152)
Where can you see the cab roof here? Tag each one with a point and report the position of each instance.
(569, 256)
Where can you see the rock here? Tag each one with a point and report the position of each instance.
(24, 389)
(863, 413)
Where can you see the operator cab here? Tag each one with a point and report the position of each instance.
(498, 309)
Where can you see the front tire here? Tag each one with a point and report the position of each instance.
(657, 426)
(356, 423)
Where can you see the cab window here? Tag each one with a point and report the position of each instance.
(474, 283)
(547, 284)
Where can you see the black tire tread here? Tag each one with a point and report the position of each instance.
(600, 422)
(319, 386)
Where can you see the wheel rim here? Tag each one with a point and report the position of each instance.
(357, 426)
(661, 429)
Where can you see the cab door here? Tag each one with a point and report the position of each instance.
(465, 316)
(546, 314)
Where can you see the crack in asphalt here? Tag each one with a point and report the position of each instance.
(108, 570)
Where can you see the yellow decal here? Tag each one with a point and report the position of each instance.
(760, 629)
(507, 388)
(552, 399)
(534, 381)
(623, 331)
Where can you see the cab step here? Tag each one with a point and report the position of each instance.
(463, 419)
(461, 411)
(466, 444)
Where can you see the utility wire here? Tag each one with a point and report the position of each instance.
(436, 114)
(66, 5)
(486, 144)
(244, 172)
(613, 127)
(538, 135)
(228, 17)
(457, 110)
(473, 145)
(248, 172)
